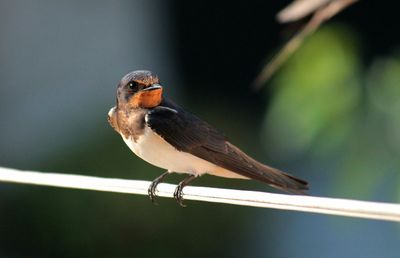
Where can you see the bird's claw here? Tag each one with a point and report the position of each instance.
(178, 194)
(151, 191)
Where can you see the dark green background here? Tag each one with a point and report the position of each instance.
(329, 116)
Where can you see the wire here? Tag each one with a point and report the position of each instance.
(332, 206)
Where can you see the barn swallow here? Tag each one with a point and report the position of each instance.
(167, 136)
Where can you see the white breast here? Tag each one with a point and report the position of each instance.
(155, 150)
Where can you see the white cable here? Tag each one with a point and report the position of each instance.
(332, 206)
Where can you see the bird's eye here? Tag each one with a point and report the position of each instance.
(133, 85)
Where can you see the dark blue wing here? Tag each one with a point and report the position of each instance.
(188, 133)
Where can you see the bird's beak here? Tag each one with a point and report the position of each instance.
(155, 86)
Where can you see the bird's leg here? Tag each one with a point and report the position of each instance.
(152, 188)
(179, 188)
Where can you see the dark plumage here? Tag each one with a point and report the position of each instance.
(188, 133)
(164, 134)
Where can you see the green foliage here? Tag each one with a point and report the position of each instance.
(315, 92)
(320, 109)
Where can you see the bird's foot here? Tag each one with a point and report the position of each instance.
(178, 190)
(151, 191)
(178, 195)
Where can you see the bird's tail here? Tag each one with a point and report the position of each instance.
(238, 162)
(281, 180)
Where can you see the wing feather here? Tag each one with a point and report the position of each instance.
(190, 134)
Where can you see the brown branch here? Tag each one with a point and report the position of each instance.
(320, 15)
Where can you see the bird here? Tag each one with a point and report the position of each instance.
(167, 136)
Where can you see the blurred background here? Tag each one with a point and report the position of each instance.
(330, 115)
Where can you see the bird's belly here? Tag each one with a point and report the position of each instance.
(155, 150)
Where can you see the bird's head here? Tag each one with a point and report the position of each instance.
(139, 89)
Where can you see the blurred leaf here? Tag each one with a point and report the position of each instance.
(370, 161)
(383, 83)
(365, 166)
(317, 89)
